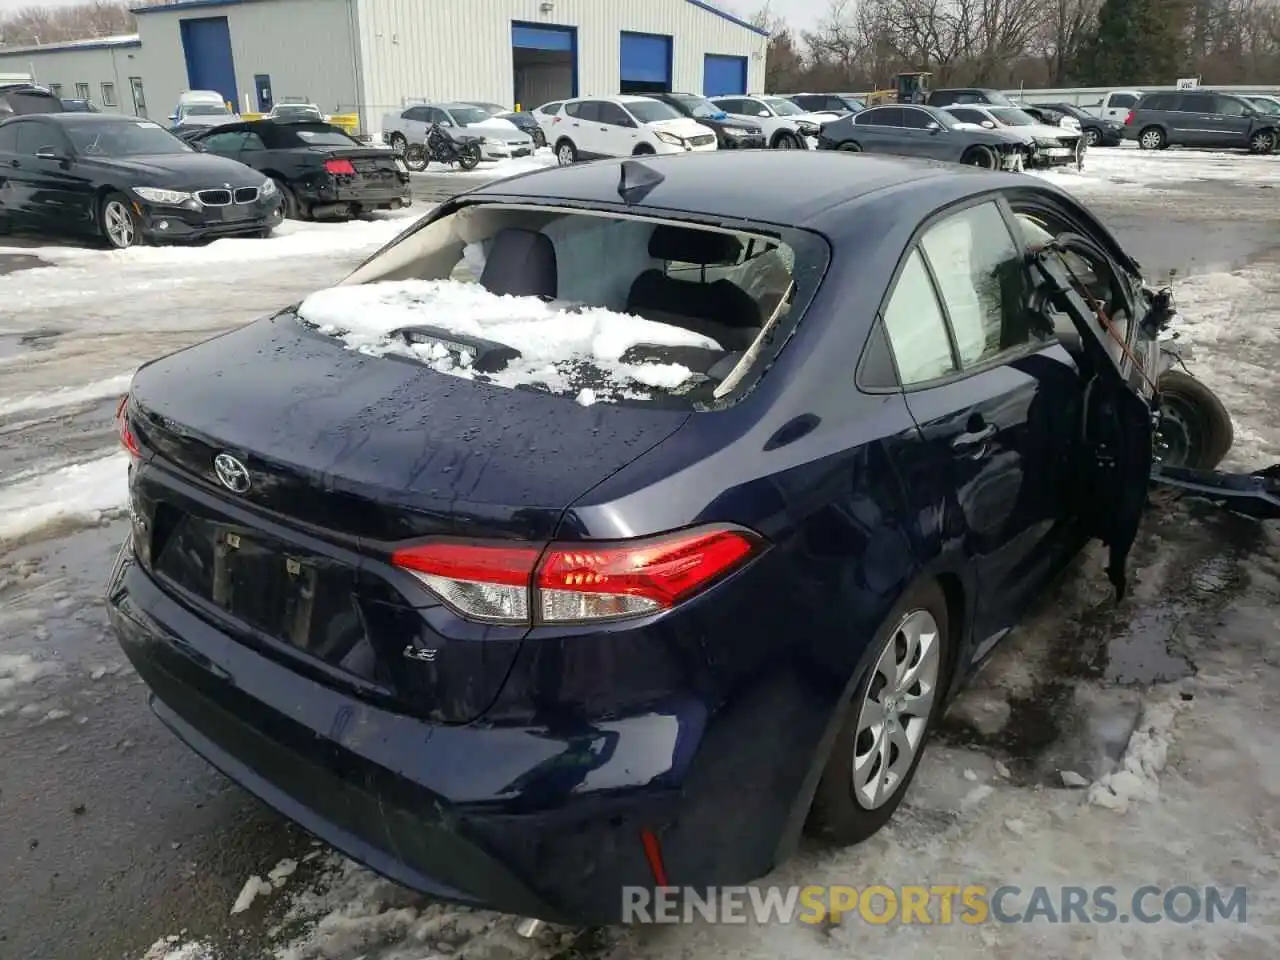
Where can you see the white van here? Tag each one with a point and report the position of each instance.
(202, 108)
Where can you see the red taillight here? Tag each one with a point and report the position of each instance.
(1128, 120)
(340, 167)
(576, 582)
(127, 439)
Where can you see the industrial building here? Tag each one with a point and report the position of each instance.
(370, 57)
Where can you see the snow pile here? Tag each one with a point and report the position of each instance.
(558, 348)
(80, 491)
(172, 948)
(20, 670)
(254, 886)
(541, 160)
(1138, 778)
(65, 396)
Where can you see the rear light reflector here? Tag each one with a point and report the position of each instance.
(568, 583)
(127, 439)
(340, 167)
(1128, 120)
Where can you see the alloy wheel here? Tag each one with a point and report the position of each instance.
(119, 224)
(1151, 140)
(1091, 137)
(565, 155)
(894, 715)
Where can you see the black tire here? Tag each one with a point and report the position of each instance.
(415, 157)
(1194, 423)
(292, 208)
(1092, 136)
(786, 141)
(398, 143)
(1264, 141)
(469, 156)
(1152, 138)
(838, 814)
(849, 147)
(980, 156)
(117, 223)
(539, 139)
(566, 153)
(642, 150)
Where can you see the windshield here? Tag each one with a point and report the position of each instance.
(133, 138)
(946, 118)
(853, 103)
(782, 107)
(1012, 117)
(490, 108)
(1265, 105)
(206, 110)
(996, 98)
(651, 111)
(466, 115)
(699, 106)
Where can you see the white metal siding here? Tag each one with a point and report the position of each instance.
(69, 67)
(305, 46)
(461, 49)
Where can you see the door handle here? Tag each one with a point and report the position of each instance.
(974, 445)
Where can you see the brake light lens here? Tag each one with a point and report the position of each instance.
(1128, 120)
(127, 439)
(568, 583)
(340, 167)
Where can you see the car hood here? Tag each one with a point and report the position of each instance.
(680, 126)
(819, 117)
(496, 128)
(178, 171)
(1043, 130)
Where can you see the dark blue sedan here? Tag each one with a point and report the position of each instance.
(616, 522)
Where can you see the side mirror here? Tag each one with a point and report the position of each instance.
(933, 126)
(763, 113)
(446, 123)
(173, 118)
(988, 124)
(197, 145)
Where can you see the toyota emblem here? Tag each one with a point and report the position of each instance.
(233, 474)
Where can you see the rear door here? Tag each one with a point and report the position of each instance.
(584, 120)
(992, 399)
(617, 133)
(1194, 121)
(1230, 123)
(56, 194)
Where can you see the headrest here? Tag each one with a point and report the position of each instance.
(521, 263)
(690, 245)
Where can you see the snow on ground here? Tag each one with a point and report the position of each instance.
(550, 341)
(83, 492)
(495, 169)
(1127, 169)
(64, 396)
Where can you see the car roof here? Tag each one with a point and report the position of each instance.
(738, 184)
(78, 119)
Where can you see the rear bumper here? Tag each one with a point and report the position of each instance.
(516, 819)
(367, 197)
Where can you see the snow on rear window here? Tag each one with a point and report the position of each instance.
(586, 352)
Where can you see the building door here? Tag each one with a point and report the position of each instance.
(262, 84)
(723, 76)
(646, 63)
(206, 42)
(545, 63)
(139, 98)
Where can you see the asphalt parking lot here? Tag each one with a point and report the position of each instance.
(117, 842)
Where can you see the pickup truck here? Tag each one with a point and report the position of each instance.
(502, 139)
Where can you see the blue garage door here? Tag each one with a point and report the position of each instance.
(646, 63)
(722, 76)
(207, 45)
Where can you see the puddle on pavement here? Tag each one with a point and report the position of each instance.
(15, 344)
(1085, 696)
(1191, 248)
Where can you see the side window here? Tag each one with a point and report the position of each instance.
(1228, 107)
(614, 115)
(253, 142)
(414, 113)
(1196, 103)
(892, 117)
(551, 109)
(981, 279)
(916, 327)
(916, 119)
(1122, 100)
(223, 142)
(9, 138)
(589, 110)
(868, 118)
(966, 115)
(435, 115)
(1158, 101)
(31, 137)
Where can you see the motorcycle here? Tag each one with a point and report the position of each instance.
(440, 147)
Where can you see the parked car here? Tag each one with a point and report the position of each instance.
(785, 125)
(1264, 102)
(765, 548)
(1097, 132)
(948, 96)
(501, 138)
(1200, 118)
(318, 169)
(545, 114)
(125, 180)
(19, 99)
(920, 131)
(297, 111)
(593, 127)
(731, 134)
(522, 120)
(837, 103)
(1050, 146)
(1048, 116)
(1115, 105)
(201, 108)
(79, 106)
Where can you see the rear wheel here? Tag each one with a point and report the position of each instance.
(1152, 138)
(888, 721)
(980, 156)
(415, 157)
(786, 141)
(1092, 137)
(849, 147)
(398, 143)
(1194, 425)
(641, 150)
(469, 156)
(539, 139)
(292, 209)
(117, 223)
(566, 153)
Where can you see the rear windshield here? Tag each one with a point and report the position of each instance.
(601, 308)
(206, 110)
(315, 135)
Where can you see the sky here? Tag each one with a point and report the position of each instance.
(801, 14)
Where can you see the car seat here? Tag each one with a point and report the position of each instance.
(521, 263)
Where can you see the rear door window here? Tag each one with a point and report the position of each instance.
(1122, 100)
(916, 326)
(1228, 107)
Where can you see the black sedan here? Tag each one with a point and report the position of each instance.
(125, 180)
(791, 485)
(320, 170)
(921, 131)
(732, 133)
(1097, 131)
(523, 121)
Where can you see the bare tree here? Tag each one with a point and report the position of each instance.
(93, 18)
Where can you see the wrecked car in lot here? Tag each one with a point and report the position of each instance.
(603, 492)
